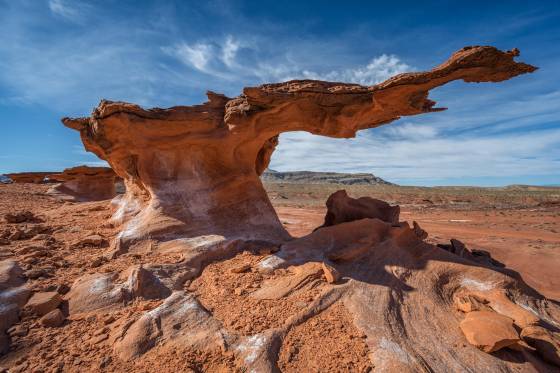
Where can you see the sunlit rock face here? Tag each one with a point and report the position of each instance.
(194, 170)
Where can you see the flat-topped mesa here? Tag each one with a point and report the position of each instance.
(84, 183)
(194, 170)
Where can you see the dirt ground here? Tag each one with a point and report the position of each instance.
(519, 227)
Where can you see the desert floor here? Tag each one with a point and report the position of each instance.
(519, 226)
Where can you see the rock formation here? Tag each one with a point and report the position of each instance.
(31, 177)
(13, 295)
(342, 208)
(191, 171)
(193, 197)
(84, 183)
(310, 177)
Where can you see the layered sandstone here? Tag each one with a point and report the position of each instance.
(194, 199)
(194, 170)
(31, 177)
(342, 208)
(84, 183)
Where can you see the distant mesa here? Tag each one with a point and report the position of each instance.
(310, 177)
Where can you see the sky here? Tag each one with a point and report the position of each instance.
(61, 57)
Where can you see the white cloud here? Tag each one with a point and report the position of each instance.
(229, 51)
(376, 71)
(422, 159)
(64, 9)
(220, 60)
(197, 55)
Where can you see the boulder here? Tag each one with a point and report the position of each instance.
(43, 302)
(53, 319)
(489, 331)
(331, 274)
(143, 283)
(544, 341)
(342, 208)
(95, 292)
(180, 319)
(19, 217)
(13, 295)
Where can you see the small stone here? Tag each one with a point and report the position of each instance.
(41, 237)
(19, 217)
(35, 273)
(62, 289)
(331, 274)
(96, 262)
(241, 268)
(18, 331)
(105, 361)
(43, 303)
(489, 331)
(16, 235)
(53, 319)
(98, 339)
(92, 240)
(238, 291)
(108, 319)
(101, 331)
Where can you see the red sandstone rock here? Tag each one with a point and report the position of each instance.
(544, 341)
(195, 170)
(13, 295)
(331, 274)
(31, 177)
(489, 331)
(43, 303)
(193, 192)
(19, 217)
(53, 319)
(341, 208)
(86, 183)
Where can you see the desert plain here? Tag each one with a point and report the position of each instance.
(518, 225)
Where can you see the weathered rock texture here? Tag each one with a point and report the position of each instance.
(193, 197)
(84, 183)
(342, 208)
(195, 170)
(13, 295)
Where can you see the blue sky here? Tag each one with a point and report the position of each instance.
(61, 57)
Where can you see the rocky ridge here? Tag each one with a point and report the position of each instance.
(310, 177)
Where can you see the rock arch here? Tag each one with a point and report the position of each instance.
(194, 170)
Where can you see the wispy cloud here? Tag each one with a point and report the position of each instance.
(230, 59)
(63, 56)
(72, 10)
(413, 160)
